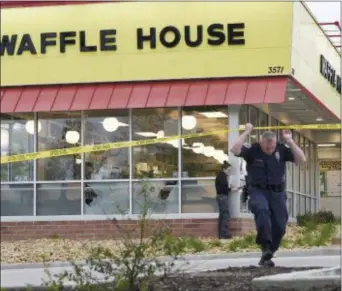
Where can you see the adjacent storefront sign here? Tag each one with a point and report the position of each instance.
(134, 41)
(330, 74)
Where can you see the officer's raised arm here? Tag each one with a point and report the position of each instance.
(295, 153)
(237, 146)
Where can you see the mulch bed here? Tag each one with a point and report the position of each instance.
(231, 279)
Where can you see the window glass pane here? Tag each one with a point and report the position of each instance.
(160, 196)
(199, 196)
(302, 204)
(17, 137)
(308, 168)
(59, 199)
(263, 119)
(302, 168)
(106, 198)
(308, 205)
(289, 203)
(312, 170)
(298, 204)
(313, 201)
(275, 122)
(16, 200)
(296, 171)
(59, 131)
(160, 159)
(244, 118)
(253, 119)
(106, 127)
(202, 156)
(289, 175)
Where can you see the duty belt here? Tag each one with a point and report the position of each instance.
(274, 188)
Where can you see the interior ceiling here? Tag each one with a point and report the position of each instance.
(298, 108)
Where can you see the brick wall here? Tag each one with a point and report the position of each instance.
(109, 229)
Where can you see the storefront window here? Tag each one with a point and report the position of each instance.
(106, 198)
(275, 122)
(156, 197)
(159, 160)
(59, 131)
(308, 167)
(17, 200)
(254, 119)
(312, 170)
(203, 156)
(296, 172)
(17, 137)
(263, 119)
(58, 199)
(302, 168)
(244, 118)
(199, 196)
(102, 127)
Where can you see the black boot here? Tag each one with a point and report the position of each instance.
(266, 257)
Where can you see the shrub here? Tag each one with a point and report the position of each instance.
(135, 265)
(316, 218)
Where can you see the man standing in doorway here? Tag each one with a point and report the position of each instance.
(222, 185)
(266, 162)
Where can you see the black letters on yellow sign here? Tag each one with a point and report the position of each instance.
(171, 36)
(19, 45)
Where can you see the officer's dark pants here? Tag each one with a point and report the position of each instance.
(271, 216)
(222, 201)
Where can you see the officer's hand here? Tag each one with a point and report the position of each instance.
(249, 127)
(287, 135)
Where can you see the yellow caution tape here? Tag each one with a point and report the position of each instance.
(117, 145)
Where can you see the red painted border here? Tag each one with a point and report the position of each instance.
(313, 97)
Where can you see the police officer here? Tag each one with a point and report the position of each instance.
(266, 182)
(222, 185)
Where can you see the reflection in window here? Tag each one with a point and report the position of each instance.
(312, 169)
(263, 119)
(302, 168)
(59, 199)
(203, 156)
(17, 200)
(302, 204)
(107, 127)
(296, 170)
(253, 119)
(199, 196)
(156, 197)
(106, 198)
(158, 160)
(59, 131)
(17, 137)
(308, 167)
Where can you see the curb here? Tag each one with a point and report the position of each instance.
(300, 281)
(325, 251)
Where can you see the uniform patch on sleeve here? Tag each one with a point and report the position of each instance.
(247, 145)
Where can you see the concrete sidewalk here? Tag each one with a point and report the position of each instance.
(317, 251)
(22, 277)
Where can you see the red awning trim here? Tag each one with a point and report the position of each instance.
(143, 95)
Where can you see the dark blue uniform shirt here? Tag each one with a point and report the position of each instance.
(264, 169)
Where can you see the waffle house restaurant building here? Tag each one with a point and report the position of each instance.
(92, 73)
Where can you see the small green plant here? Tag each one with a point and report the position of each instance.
(195, 244)
(215, 243)
(135, 265)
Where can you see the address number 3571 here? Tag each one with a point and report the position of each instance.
(275, 70)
